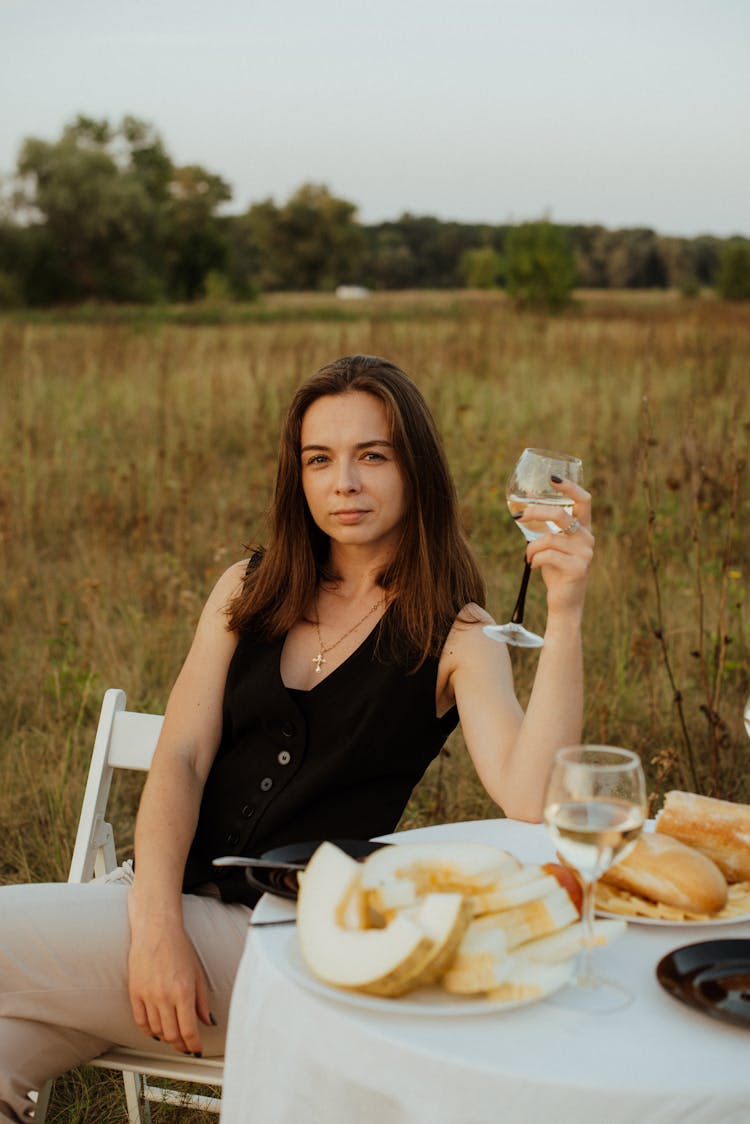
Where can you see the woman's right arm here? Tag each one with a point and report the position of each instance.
(166, 983)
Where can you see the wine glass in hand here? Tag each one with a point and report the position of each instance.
(530, 484)
(594, 808)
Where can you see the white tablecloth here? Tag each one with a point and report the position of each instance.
(296, 1058)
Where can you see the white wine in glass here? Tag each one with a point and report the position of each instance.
(594, 809)
(530, 484)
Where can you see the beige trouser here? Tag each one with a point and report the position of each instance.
(63, 979)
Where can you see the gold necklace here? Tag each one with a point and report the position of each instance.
(323, 648)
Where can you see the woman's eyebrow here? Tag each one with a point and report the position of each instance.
(359, 445)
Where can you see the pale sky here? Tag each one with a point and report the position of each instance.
(620, 112)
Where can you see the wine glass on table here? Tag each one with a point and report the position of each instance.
(594, 809)
(530, 483)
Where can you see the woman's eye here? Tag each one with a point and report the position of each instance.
(318, 458)
(373, 456)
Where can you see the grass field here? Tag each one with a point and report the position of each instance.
(136, 459)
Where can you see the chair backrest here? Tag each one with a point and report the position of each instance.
(127, 740)
(124, 740)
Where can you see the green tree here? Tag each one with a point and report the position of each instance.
(389, 260)
(197, 244)
(259, 247)
(105, 214)
(94, 207)
(421, 251)
(481, 268)
(312, 242)
(733, 281)
(242, 266)
(540, 266)
(635, 260)
(706, 252)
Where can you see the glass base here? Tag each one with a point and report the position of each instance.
(595, 995)
(514, 634)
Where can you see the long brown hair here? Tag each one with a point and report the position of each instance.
(432, 574)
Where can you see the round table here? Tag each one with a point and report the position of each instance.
(293, 1056)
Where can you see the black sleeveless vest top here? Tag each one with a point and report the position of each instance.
(339, 761)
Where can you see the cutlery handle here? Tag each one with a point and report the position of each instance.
(258, 864)
(277, 921)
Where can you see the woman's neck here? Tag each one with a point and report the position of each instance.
(356, 573)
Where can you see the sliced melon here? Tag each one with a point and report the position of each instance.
(479, 966)
(527, 981)
(481, 961)
(442, 865)
(568, 942)
(505, 894)
(397, 893)
(445, 919)
(353, 912)
(378, 961)
(533, 919)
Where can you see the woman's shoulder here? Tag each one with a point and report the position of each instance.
(229, 584)
(468, 652)
(470, 617)
(466, 634)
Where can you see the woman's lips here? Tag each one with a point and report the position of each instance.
(349, 516)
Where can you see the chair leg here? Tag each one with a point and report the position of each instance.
(42, 1103)
(139, 1110)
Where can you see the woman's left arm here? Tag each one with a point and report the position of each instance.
(512, 751)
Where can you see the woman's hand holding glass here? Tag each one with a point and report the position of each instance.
(565, 558)
(553, 512)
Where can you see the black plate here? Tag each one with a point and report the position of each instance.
(283, 883)
(712, 977)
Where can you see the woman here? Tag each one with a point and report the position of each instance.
(324, 676)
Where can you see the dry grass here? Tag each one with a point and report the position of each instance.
(136, 463)
(137, 460)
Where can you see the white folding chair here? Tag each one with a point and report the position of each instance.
(126, 740)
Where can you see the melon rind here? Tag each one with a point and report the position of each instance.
(376, 961)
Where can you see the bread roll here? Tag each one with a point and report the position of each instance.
(718, 828)
(663, 869)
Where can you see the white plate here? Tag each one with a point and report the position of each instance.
(432, 1001)
(711, 924)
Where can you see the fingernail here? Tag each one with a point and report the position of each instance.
(556, 479)
(212, 1018)
(198, 1054)
(519, 515)
(156, 1038)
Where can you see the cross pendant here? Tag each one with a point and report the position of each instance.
(318, 660)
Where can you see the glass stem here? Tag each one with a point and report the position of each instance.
(585, 974)
(517, 617)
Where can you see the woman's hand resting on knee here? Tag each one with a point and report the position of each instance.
(167, 986)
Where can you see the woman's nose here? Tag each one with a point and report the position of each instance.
(348, 478)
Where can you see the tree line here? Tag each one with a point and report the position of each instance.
(104, 213)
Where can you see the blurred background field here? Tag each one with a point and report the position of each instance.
(137, 461)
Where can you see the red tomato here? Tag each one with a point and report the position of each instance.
(568, 881)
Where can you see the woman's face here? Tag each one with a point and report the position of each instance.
(351, 478)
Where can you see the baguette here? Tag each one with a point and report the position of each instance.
(717, 828)
(662, 869)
